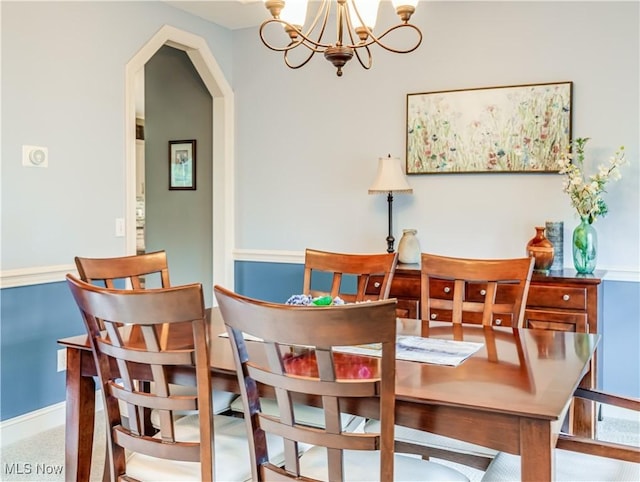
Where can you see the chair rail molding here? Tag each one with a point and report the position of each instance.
(14, 278)
(268, 256)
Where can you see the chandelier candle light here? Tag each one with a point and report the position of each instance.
(389, 179)
(355, 21)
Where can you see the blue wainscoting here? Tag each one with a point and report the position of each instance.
(274, 282)
(620, 346)
(34, 317)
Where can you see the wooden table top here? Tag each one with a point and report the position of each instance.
(522, 372)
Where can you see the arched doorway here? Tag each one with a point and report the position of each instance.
(223, 135)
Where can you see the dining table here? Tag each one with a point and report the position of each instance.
(513, 394)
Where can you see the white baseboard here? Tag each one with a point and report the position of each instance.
(33, 423)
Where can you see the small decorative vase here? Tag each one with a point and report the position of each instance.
(555, 233)
(409, 247)
(585, 247)
(541, 249)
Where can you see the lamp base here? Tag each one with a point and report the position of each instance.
(390, 238)
(390, 241)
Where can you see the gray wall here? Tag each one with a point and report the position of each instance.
(307, 142)
(311, 136)
(178, 107)
(63, 87)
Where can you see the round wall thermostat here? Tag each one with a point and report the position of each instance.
(37, 156)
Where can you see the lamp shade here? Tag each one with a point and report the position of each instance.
(294, 12)
(390, 177)
(368, 11)
(400, 3)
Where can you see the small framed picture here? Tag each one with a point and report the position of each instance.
(182, 165)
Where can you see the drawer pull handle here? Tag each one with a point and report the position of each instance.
(483, 292)
(447, 289)
(566, 297)
(433, 316)
(498, 321)
(376, 284)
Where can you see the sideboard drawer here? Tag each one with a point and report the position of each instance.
(401, 287)
(441, 289)
(408, 309)
(556, 320)
(475, 318)
(565, 297)
(505, 293)
(374, 285)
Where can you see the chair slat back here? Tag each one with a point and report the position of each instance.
(296, 359)
(131, 352)
(341, 265)
(483, 291)
(132, 269)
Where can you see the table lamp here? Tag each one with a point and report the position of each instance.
(390, 179)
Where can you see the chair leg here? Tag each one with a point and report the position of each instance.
(106, 473)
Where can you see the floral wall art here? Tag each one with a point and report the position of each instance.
(522, 128)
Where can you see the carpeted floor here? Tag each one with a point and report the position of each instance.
(41, 458)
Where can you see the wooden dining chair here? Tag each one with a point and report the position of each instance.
(129, 350)
(582, 458)
(487, 292)
(484, 291)
(295, 359)
(136, 272)
(131, 270)
(327, 273)
(347, 276)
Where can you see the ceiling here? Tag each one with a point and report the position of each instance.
(232, 14)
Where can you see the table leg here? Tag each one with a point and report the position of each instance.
(80, 414)
(537, 457)
(584, 412)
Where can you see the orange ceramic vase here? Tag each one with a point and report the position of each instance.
(542, 250)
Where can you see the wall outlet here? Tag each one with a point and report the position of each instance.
(62, 359)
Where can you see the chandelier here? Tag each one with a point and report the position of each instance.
(355, 21)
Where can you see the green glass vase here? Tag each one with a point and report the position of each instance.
(585, 247)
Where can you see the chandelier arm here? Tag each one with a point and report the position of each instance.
(289, 46)
(357, 47)
(377, 39)
(368, 65)
(303, 39)
(303, 62)
(325, 8)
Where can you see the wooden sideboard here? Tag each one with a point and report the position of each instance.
(558, 301)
